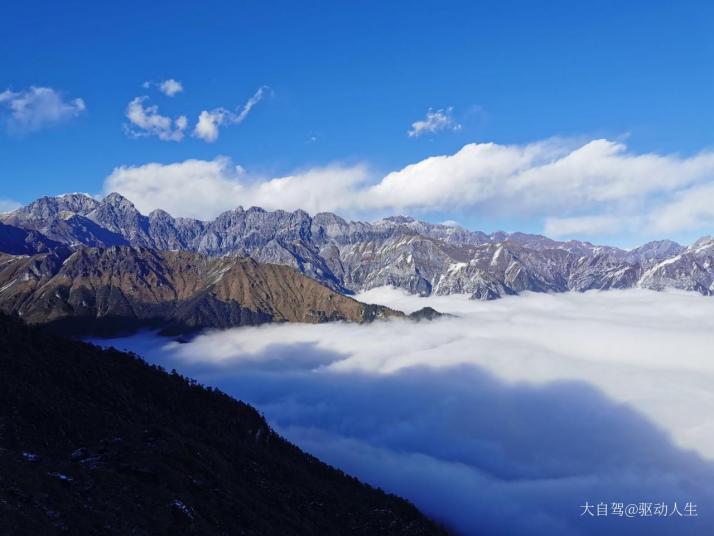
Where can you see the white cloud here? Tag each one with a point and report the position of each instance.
(593, 188)
(209, 121)
(207, 127)
(692, 208)
(435, 121)
(193, 188)
(147, 121)
(554, 175)
(203, 189)
(8, 205)
(582, 226)
(37, 107)
(503, 420)
(170, 87)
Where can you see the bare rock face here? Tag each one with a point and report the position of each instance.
(45, 209)
(64, 219)
(651, 253)
(691, 269)
(347, 257)
(105, 290)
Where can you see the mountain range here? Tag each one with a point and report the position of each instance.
(349, 257)
(103, 291)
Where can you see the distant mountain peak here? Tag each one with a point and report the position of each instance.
(117, 200)
(705, 243)
(50, 206)
(159, 213)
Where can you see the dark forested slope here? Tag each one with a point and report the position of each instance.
(96, 441)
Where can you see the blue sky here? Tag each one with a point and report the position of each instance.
(346, 83)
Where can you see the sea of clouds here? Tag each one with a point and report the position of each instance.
(504, 419)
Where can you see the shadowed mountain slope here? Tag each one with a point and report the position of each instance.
(96, 441)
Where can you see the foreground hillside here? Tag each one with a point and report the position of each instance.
(105, 290)
(97, 442)
(348, 257)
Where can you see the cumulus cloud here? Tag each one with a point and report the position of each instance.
(38, 107)
(435, 121)
(550, 175)
(203, 189)
(209, 121)
(170, 87)
(587, 189)
(193, 188)
(504, 419)
(147, 121)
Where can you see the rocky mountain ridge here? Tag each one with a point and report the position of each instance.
(109, 290)
(399, 251)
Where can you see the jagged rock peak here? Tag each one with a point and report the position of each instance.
(328, 218)
(301, 214)
(702, 244)
(50, 206)
(160, 214)
(119, 201)
(654, 251)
